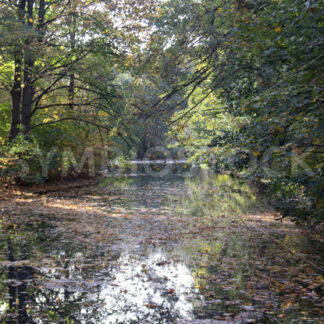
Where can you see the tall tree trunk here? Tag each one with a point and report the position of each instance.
(16, 88)
(30, 58)
(28, 92)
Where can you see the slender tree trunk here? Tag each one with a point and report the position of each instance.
(41, 20)
(16, 98)
(16, 91)
(72, 24)
(28, 92)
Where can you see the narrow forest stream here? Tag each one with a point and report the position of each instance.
(139, 249)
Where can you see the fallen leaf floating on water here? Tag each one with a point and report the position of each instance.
(151, 306)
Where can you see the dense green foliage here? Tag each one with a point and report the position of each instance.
(260, 65)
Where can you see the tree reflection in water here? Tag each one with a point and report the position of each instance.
(168, 250)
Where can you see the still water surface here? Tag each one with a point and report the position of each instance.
(139, 249)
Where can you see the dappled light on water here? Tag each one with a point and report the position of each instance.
(142, 289)
(156, 250)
